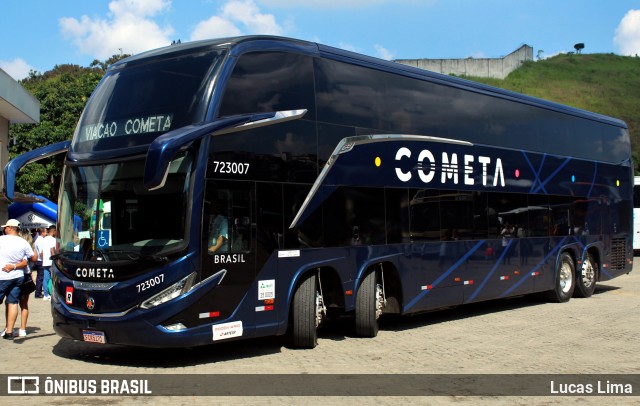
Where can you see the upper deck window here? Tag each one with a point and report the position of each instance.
(270, 81)
(135, 104)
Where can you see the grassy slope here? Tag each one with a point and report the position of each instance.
(603, 83)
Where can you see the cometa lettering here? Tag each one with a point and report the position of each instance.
(97, 273)
(145, 125)
(450, 168)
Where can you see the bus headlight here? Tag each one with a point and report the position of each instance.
(179, 288)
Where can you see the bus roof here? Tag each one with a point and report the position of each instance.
(243, 44)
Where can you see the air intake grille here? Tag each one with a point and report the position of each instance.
(618, 252)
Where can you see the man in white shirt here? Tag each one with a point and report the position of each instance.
(14, 252)
(48, 249)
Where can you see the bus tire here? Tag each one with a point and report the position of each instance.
(304, 323)
(586, 278)
(367, 306)
(564, 281)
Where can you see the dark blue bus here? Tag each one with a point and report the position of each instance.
(255, 186)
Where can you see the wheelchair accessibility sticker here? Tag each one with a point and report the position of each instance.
(103, 238)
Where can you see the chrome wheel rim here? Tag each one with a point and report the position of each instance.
(588, 273)
(379, 301)
(320, 309)
(565, 278)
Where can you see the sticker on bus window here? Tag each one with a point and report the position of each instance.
(288, 254)
(267, 289)
(227, 330)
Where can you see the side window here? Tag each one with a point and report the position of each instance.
(397, 215)
(269, 81)
(227, 219)
(424, 214)
(512, 214)
(561, 215)
(463, 215)
(539, 216)
(448, 215)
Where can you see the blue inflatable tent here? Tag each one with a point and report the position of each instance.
(41, 213)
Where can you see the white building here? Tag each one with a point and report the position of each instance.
(16, 106)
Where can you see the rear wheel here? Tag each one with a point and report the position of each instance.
(307, 313)
(369, 305)
(565, 280)
(586, 278)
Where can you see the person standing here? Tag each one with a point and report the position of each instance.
(37, 266)
(24, 297)
(14, 252)
(48, 249)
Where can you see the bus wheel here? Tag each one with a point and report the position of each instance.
(369, 305)
(307, 313)
(565, 280)
(586, 279)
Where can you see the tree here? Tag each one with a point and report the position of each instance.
(63, 93)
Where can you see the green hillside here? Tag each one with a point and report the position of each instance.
(603, 83)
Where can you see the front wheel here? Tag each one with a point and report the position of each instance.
(586, 279)
(307, 313)
(369, 306)
(565, 280)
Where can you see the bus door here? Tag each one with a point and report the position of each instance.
(228, 245)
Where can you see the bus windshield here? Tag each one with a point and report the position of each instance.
(106, 212)
(134, 105)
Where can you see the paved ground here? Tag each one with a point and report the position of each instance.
(598, 335)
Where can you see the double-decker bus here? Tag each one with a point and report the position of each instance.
(255, 186)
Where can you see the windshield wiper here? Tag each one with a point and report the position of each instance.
(146, 257)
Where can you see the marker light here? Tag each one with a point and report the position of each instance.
(618, 182)
(573, 178)
(378, 161)
(176, 327)
(517, 173)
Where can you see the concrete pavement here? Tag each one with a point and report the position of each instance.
(597, 335)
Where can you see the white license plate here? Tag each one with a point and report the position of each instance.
(94, 337)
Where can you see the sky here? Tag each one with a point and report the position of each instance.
(40, 34)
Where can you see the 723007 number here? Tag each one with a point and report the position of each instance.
(156, 280)
(230, 167)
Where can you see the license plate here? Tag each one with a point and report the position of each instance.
(94, 337)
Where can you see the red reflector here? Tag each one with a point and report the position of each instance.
(268, 301)
(457, 279)
(348, 293)
(208, 315)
